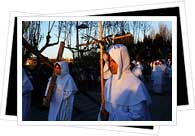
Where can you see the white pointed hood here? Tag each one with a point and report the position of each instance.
(64, 68)
(124, 88)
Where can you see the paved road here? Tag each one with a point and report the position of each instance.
(87, 105)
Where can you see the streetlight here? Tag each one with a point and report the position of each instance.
(81, 26)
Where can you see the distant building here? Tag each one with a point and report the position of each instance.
(33, 61)
(69, 60)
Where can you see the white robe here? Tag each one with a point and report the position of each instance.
(26, 96)
(61, 104)
(126, 97)
(157, 79)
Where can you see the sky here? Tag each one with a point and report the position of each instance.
(51, 52)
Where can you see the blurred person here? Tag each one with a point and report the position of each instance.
(27, 88)
(157, 78)
(137, 71)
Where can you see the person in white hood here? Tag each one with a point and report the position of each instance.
(126, 97)
(137, 71)
(157, 78)
(61, 104)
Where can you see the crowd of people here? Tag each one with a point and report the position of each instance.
(158, 73)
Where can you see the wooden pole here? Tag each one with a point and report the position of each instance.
(101, 69)
(52, 85)
(113, 38)
(60, 51)
(77, 38)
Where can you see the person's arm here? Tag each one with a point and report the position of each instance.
(138, 112)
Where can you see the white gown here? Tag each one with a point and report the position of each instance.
(126, 98)
(157, 79)
(61, 105)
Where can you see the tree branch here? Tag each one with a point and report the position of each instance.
(42, 58)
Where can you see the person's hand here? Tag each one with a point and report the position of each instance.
(67, 95)
(104, 115)
(107, 73)
(45, 102)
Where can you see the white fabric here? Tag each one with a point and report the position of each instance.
(26, 106)
(163, 67)
(66, 113)
(123, 90)
(157, 78)
(61, 104)
(137, 71)
(26, 83)
(122, 59)
(138, 112)
(140, 66)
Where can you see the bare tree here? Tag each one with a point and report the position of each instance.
(134, 27)
(66, 29)
(152, 33)
(31, 32)
(164, 32)
(145, 27)
(48, 37)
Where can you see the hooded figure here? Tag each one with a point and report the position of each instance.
(26, 95)
(137, 71)
(61, 104)
(126, 97)
(157, 79)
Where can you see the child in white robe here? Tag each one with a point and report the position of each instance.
(61, 104)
